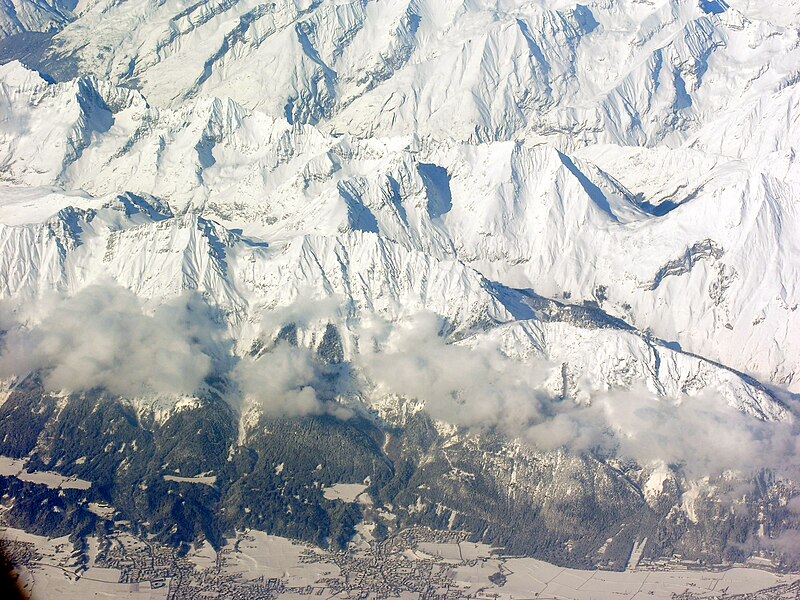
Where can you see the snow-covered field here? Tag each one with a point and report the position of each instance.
(347, 492)
(14, 467)
(255, 556)
(204, 479)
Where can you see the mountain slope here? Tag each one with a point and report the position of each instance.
(518, 259)
(525, 217)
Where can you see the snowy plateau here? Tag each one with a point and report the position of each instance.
(377, 275)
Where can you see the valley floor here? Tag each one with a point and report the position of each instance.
(413, 563)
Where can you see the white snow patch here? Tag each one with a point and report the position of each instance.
(347, 492)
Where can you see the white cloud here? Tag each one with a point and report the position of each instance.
(305, 310)
(481, 388)
(102, 337)
(281, 381)
(463, 386)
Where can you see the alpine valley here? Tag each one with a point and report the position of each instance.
(524, 272)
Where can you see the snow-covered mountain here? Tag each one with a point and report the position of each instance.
(538, 218)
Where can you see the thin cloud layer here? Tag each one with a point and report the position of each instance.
(281, 382)
(474, 388)
(305, 310)
(102, 337)
(481, 388)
